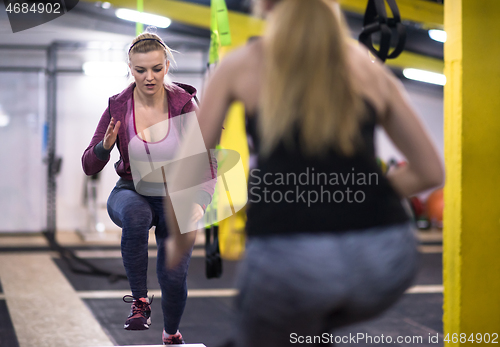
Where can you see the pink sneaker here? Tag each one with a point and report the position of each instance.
(140, 313)
(175, 339)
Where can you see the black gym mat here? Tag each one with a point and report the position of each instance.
(208, 321)
(416, 317)
(7, 333)
(196, 275)
(430, 269)
(27, 249)
(430, 272)
(205, 320)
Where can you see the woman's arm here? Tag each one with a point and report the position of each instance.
(96, 156)
(216, 100)
(405, 129)
(204, 195)
(213, 109)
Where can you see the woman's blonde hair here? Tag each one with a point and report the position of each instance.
(306, 80)
(149, 42)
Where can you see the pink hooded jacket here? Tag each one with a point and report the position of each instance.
(180, 101)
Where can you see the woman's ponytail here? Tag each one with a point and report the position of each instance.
(306, 79)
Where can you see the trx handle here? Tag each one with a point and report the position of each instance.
(376, 20)
(213, 260)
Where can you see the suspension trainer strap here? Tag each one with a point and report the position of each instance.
(376, 20)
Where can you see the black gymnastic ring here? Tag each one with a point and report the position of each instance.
(376, 20)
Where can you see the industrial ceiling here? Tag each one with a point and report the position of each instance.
(90, 20)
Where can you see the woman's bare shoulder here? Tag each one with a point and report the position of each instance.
(370, 77)
(239, 72)
(241, 57)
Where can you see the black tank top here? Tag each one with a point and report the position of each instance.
(290, 192)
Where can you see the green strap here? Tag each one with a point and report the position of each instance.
(139, 27)
(219, 27)
(214, 35)
(212, 208)
(223, 23)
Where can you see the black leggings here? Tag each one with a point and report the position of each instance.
(136, 214)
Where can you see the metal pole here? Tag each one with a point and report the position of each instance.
(21, 69)
(24, 47)
(51, 143)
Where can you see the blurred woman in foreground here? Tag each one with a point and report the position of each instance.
(338, 248)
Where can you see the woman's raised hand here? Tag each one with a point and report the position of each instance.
(197, 213)
(111, 134)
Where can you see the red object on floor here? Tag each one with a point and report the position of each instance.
(435, 206)
(418, 206)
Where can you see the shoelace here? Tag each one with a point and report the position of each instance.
(138, 306)
(134, 299)
(174, 339)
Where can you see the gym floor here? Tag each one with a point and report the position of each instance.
(44, 303)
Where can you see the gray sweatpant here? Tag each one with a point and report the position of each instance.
(309, 284)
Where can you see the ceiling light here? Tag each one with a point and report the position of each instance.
(438, 35)
(145, 18)
(105, 68)
(106, 5)
(425, 76)
(100, 227)
(4, 118)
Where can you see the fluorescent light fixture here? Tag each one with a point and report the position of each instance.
(4, 118)
(438, 35)
(100, 227)
(141, 17)
(425, 76)
(105, 68)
